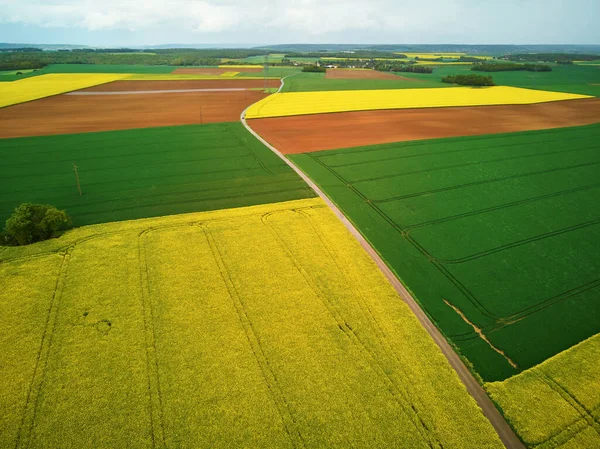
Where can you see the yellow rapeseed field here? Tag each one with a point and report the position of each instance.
(442, 63)
(185, 76)
(265, 326)
(241, 66)
(301, 103)
(52, 84)
(447, 55)
(556, 403)
(229, 74)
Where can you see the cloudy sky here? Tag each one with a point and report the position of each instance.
(150, 22)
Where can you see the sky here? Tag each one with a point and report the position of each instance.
(153, 22)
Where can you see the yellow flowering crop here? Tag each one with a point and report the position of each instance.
(186, 76)
(42, 86)
(229, 74)
(446, 55)
(241, 66)
(555, 403)
(301, 103)
(266, 326)
(442, 63)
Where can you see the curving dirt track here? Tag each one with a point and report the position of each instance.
(67, 114)
(209, 71)
(130, 86)
(354, 74)
(307, 133)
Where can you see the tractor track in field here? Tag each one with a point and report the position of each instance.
(505, 432)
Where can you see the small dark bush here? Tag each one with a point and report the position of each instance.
(469, 80)
(313, 68)
(32, 223)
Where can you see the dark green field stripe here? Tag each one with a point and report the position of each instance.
(459, 153)
(125, 161)
(572, 262)
(476, 235)
(449, 204)
(473, 178)
(145, 135)
(386, 170)
(451, 144)
(128, 174)
(505, 228)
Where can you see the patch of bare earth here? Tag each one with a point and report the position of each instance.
(356, 74)
(306, 133)
(131, 86)
(66, 114)
(219, 71)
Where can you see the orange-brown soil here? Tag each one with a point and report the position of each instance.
(351, 74)
(208, 71)
(65, 114)
(317, 132)
(130, 86)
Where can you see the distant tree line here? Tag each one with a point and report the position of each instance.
(314, 68)
(20, 50)
(385, 66)
(469, 80)
(552, 57)
(21, 65)
(174, 57)
(353, 55)
(471, 59)
(502, 67)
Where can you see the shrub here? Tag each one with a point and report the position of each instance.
(32, 223)
(502, 67)
(313, 68)
(469, 80)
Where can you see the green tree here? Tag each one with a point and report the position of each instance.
(32, 223)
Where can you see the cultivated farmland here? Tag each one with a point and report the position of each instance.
(266, 326)
(315, 132)
(89, 111)
(565, 385)
(494, 235)
(367, 74)
(300, 103)
(144, 173)
(47, 85)
(130, 85)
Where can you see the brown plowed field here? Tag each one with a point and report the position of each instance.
(130, 86)
(66, 114)
(201, 71)
(352, 74)
(306, 133)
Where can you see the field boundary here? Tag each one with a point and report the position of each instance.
(505, 432)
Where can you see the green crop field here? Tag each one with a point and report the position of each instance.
(496, 234)
(272, 72)
(308, 82)
(576, 79)
(144, 173)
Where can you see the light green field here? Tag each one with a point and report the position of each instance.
(556, 403)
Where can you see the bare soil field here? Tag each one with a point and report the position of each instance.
(208, 71)
(131, 86)
(354, 74)
(306, 133)
(67, 114)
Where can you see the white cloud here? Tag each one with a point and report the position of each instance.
(311, 16)
(316, 20)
